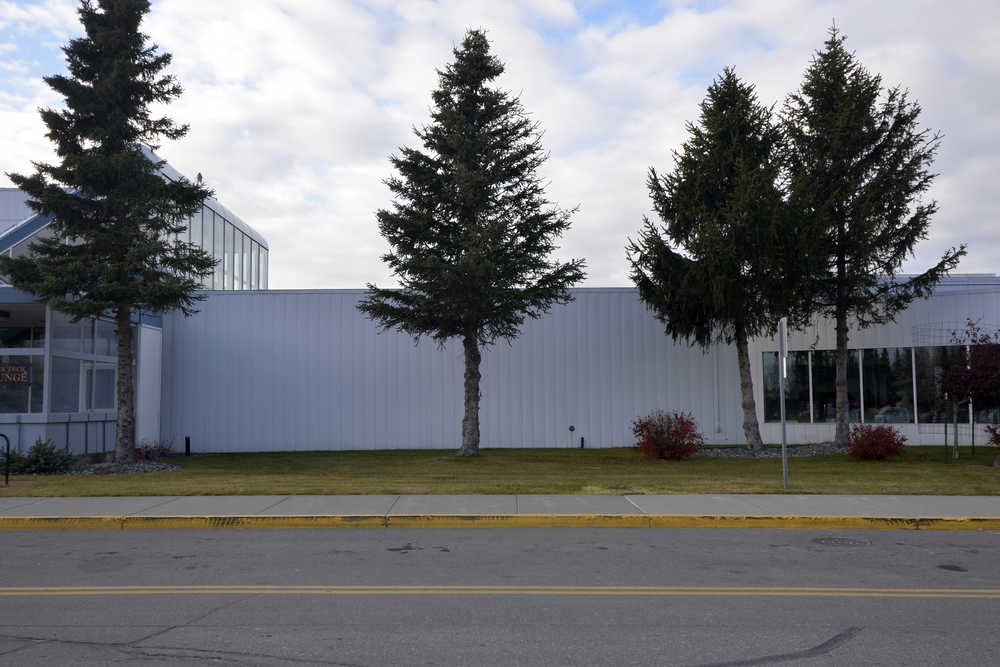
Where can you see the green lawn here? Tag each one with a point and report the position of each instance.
(921, 470)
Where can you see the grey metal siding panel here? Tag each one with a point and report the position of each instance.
(305, 370)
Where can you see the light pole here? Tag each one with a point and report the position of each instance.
(782, 375)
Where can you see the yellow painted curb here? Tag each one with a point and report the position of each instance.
(960, 523)
(254, 521)
(823, 522)
(517, 521)
(60, 522)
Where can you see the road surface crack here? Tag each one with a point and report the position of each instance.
(816, 651)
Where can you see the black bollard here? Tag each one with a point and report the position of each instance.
(6, 462)
(187, 445)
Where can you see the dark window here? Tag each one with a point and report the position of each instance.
(824, 386)
(888, 382)
(932, 408)
(796, 388)
(21, 383)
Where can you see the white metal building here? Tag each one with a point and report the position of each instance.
(57, 378)
(304, 369)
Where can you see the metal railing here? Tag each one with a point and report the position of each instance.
(75, 434)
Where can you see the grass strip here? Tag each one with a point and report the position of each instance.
(921, 470)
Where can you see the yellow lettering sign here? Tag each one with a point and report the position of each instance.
(14, 374)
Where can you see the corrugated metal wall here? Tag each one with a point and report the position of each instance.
(306, 370)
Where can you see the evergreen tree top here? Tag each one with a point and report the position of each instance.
(859, 168)
(470, 228)
(115, 217)
(714, 269)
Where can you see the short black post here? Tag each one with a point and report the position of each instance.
(581, 442)
(6, 461)
(187, 445)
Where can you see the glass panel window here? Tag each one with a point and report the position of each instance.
(986, 407)
(26, 337)
(229, 258)
(65, 385)
(824, 386)
(196, 229)
(932, 408)
(238, 259)
(21, 383)
(888, 382)
(255, 265)
(207, 230)
(67, 336)
(796, 388)
(88, 335)
(264, 271)
(86, 384)
(101, 381)
(219, 252)
(246, 261)
(207, 242)
(105, 338)
(771, 395)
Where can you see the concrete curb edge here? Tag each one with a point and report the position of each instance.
(257, 521)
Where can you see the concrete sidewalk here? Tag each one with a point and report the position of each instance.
(772, 511)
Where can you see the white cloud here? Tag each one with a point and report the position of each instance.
(295, 105)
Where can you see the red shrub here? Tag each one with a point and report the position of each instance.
(667, 435)
(876, 442)
(994, 435)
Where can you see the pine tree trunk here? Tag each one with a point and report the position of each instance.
(843, 432)
(470, 422)
(751, 428)
(125, 431)
(954, 431)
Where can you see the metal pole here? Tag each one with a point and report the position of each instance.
(187, 445)
(782, 374)
(972, 421)
(946, 452)
(6, 462)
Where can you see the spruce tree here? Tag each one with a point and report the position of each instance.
(470, 229)
(116, 218)
(716, 269)
(858, 167)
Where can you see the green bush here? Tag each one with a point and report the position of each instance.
(43, 458)
(16, 461)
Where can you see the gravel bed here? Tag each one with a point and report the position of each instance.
(123, 469)
(817, 449)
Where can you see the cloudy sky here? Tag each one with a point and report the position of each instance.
(295, 105)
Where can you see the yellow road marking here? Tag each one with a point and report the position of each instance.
(748, 591)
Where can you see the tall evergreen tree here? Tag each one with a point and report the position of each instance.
(116, 218)
(722, 209)
(858, 165)
(470, 229)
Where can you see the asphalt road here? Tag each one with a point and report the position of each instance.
(499, 597)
